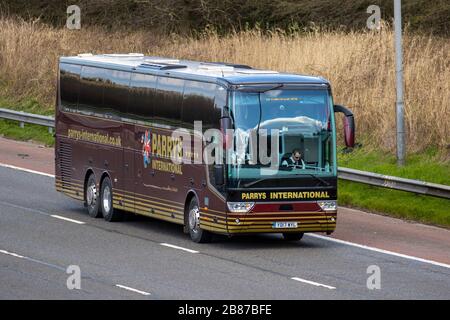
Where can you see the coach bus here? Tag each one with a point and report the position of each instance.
(116, 116)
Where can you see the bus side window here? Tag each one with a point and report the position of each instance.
(91, 89)
(168, 100)
(198, 105)
(69, 85)
(142, 96)
(116, 88)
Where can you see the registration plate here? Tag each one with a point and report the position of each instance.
(284, 225)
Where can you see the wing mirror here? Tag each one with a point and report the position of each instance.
(349, 125)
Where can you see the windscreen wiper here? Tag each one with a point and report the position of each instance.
(254, 182)
(260, 88)
(314, 176)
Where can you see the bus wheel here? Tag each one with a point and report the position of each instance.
(91, 196)
(197, 234)
(293, 236)
(106, 202)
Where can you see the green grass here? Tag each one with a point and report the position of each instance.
(11, 129)
(428, 166)
(35, 133)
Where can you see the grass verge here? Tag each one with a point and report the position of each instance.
(31, 132)
(428, 166)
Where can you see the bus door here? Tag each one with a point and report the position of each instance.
(130, 152)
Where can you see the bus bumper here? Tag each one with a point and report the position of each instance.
(270, 222)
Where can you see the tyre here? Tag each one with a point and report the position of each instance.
(293, 236)
(193, 220)
(91, 195)
(106, 202)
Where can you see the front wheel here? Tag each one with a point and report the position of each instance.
(106, 202)
(197, 234)
(293, 236)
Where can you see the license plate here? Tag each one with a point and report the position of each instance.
(284, 225)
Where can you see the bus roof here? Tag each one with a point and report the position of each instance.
(231, 74)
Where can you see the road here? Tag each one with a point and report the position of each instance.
(42, 232)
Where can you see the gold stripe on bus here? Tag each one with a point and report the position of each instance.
(147, 210)
(69, 182)
(249, 224)
(144, 206)
(304, 218)
(157, 214)
(135, 198)
(208, 227)
(212, 216)
(272, 230)
(212, 221)
(216, 230)
(300, 226)
(60, 179)
(147, 196)
(212, 224)
(251, 214)
(71, 187)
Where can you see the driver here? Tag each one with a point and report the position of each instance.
(295, 160)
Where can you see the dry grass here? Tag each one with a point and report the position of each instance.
(360, 67)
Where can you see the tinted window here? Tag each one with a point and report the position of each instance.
(142, 95)
(116, 86)
(169, 99)
(198, 104)
(91, 89)
(69, 85)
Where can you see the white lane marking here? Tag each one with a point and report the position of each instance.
(26, 170)
(400, 255)
(177, 247)
(12, 254)
(313, 283)
(133, 290)
(67, 219)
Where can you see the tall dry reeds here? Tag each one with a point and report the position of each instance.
(360, 67)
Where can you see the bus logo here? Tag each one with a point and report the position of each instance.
(146, 143)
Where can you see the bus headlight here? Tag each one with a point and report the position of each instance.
(330, 205)
(240, 207)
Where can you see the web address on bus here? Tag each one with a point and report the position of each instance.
(94, 137)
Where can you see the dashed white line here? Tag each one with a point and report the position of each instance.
(400, 255)
(67, 219)
(12, 254)
(26, 170)
(133, 290)
(313, 283)
(177, 247)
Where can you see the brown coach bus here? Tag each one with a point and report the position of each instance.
(115, 148)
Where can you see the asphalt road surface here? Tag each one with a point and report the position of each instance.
(43, 232)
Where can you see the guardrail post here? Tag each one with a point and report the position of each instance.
(21, 124)
(50, 130)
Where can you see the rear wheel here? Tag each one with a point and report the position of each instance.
(293, 236)
(197, 234)
(106, 202)
(91, 195)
